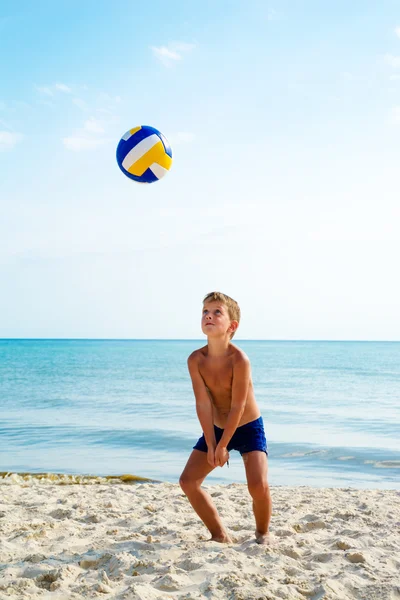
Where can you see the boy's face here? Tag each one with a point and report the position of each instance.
(215, 321)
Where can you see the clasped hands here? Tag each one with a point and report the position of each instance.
(217, 457)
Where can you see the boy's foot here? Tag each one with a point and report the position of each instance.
(221, 539)
(263, 538)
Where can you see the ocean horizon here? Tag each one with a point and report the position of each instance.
(236, 342)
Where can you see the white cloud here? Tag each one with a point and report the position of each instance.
(8, 139)
(96, 124)
(51, 90)
(61, 87)
(79, 143)
(168, 55)
(89, 137)
(93, 125)
(393, 61)
(165, 55)
(397, 31)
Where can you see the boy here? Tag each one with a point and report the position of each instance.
(229, 417)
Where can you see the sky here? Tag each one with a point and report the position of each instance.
(284, 122)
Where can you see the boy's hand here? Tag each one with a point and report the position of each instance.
(221, 456)
(211, 457)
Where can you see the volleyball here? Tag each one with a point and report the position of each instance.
(144, 154)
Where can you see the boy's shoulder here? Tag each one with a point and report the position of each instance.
(239, 357)
(197, 354)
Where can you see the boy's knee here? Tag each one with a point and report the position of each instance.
(259, 489)
(186, 483)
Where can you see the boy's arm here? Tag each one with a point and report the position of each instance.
(203, 402)
(240, 387)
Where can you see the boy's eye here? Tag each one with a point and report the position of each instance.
(218, 311)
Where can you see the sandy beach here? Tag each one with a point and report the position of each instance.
(142, 541)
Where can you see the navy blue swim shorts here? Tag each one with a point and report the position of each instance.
(246, 438)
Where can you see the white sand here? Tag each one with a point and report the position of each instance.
(144, 542)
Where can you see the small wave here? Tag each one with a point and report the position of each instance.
(293, 454)
(65, 479)
(346, 457)
(307, 453)
(384, 464)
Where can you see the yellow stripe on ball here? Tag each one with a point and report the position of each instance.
(156, 154)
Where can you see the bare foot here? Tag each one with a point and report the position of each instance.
(263, 538)
(221, 539)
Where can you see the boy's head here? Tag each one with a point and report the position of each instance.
(228, 304)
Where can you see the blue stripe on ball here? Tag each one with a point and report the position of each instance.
(148, 176)
(126, 146)
(167, 147)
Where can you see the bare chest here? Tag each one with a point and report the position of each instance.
(217, 376)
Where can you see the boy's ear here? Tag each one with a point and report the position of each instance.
(233, 326)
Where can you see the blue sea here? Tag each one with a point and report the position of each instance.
(109, 407)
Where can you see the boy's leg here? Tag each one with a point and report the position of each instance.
(196, 470)
(256, 464)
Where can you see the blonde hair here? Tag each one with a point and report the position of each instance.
(230, 303)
